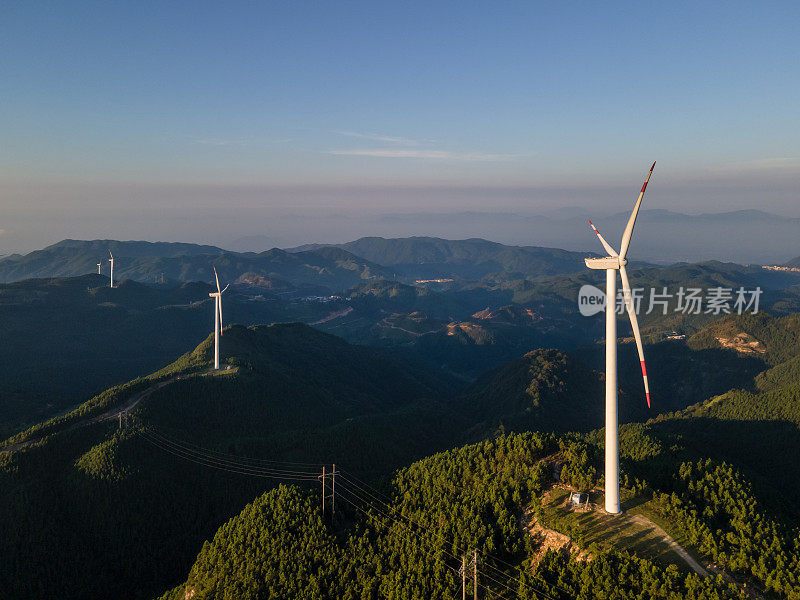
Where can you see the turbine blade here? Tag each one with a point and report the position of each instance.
(626, 293)
(216, 278)
(606, 245)
(626, 236)
(225, 288)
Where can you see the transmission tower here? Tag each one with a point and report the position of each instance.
(465, 574)
(332, 495)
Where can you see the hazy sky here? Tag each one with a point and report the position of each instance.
(302, 121)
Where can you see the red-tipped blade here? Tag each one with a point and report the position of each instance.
(215, 277)
(606, 245)
(626, 236)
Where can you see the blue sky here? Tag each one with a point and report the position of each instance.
(569, 101)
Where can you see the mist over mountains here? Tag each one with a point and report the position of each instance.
(663, 236)
(534, 245)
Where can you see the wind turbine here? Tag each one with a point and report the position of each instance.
(611, 264)
(111, 260)
(217, 317)
(98, 267)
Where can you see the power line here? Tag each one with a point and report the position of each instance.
(391, 508)
(496, 571)
(244, 458)
(223, 462)
(425, 552)
(440, 548)
(224, 459)
(239, 465)
(223, 466)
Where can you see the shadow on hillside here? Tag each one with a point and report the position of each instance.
(765, 451)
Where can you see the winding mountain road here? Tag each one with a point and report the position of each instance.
(113, 412)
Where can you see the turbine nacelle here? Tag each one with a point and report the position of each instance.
(606, 262)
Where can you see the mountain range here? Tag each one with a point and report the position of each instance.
(662, 236)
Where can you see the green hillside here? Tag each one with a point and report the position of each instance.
(407, 540)
(775, 339)
(294, 394)
(545, 390)
(718, 475)
(69, 338)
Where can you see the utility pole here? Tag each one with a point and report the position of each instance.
(464, 577)
(474, 576)
(323, 493)
(333, 491)
(475, 572)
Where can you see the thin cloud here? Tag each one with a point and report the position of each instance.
(376, 137)
(425, 154)
(762, 164)
(222, 142)
(244, 141)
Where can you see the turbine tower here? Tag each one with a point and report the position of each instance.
(611, 264)
(217, 317)
(98, 267)
(111, 260)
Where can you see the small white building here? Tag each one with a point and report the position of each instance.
(579, 498)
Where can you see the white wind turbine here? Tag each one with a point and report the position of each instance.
(217, 317)
(111, 260)
(99, 265)
(611, 264)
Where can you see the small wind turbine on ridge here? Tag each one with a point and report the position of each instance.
(98, 267)
(111, 260)
(217, 317)
(611, 264)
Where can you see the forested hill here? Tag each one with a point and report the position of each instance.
(406, 539)
(77, 490)
(545, 390)
(69, 258)
(333, 268)
(472, 258)
(720, 475)
(91, 511)
(774, 339)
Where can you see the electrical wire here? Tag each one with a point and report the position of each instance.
(235, 467)
(232, 461)
(243, 466)
(443, 551)
(495, 570)
(388, 506)
(221, 457)
(244, 458)
(427, 553)
(221, 466)
(222, 462)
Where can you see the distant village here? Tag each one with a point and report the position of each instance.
(780, 268)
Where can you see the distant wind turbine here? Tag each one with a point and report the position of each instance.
(217, 317)
(111, 260)
(98, 267)
(611, 264)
